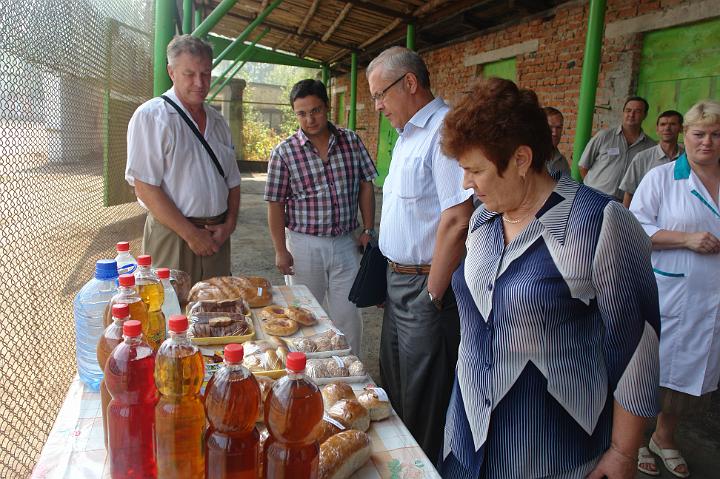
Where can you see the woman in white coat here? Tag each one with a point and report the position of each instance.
(678, 206)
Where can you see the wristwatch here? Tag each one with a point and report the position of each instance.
(437, 302)
(370, 232)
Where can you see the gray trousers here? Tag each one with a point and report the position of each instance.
(418, 353)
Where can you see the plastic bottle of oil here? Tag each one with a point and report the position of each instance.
(179, 414)
(293, 409)
(153, 294)
(128, 294)
(232, 401)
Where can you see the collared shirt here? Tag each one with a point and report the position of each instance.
(421, 184)
(558, 163)
(642, 163)
(321, 198)
(607, 157)
(163, 151)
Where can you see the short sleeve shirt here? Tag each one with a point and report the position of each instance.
(607, 157)
(163, 151)
(558, 164)
(642, 163)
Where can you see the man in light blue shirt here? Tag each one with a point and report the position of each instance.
(423, 227)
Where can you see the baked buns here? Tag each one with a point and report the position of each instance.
(255, 290)
(327, 341)
(268, 360)
(272, 311)
(328, 427)
(334, 392)
(280, 326)
(300, 315)
(375, 400)
(215, 325)
(238, 306)
(343, 454)
(351, 414)
(335, 367)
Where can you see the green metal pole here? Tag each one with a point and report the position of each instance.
(353, 90)
(198, 17)
(214, 17)
(240, 58)
(248, 30)
(588, 84)
(164, 31)
(410, 36)
(243, 55)
(326, 75)
(187, 16)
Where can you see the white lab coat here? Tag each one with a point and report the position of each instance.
(672, 197)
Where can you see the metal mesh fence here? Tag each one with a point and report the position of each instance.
(71, 74)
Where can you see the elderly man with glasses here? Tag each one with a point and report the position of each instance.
(425, 215)
(316, 180)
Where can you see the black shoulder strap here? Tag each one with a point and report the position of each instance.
(197, 134)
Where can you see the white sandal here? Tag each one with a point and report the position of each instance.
(672, 458)
(645, 459)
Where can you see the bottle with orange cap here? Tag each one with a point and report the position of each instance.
(179, 414)
(152, 293)
(232, 401)
(293, 409)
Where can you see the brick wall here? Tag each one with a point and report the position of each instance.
(553, 71)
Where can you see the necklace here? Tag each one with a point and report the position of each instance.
(513, 222)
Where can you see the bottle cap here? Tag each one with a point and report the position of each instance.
(295, 362)
(122, 247)
(132, 328)
(120, 310)
(126, 280)
(234, 353)
(106, 269)
(163, 273)
(178, 323)
(144, 260)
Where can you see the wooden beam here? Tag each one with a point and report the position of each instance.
(337, 22)
(308, 16)
(375, 8)
(305, 48)
(394, 24)
(428, 7)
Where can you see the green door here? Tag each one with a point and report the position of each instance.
(679, 67)
(502, 69)
(387, 137)
(340, 111)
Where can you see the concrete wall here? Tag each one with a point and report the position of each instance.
(549, 53)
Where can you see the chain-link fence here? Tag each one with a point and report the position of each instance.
(71, 74)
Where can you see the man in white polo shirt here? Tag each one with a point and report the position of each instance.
(191, 191)
(425, 215)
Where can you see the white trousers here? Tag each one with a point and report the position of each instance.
(328, 266)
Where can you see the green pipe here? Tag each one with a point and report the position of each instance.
(187, 16)
(214, 17)
(248, 30)
(326, 75)
(588, 84)
(164, 31)
(198, 17)
(353, 90)
(410, 36)
(240, 58)
(243, 55)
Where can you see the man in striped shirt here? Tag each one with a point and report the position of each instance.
(316, 180)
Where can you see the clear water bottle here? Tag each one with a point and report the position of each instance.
(126, 262)
(171, 305)
(89, 306)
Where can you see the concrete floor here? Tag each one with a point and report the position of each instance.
(699, 438)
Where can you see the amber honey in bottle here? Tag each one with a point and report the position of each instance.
(153, 294)
(131, 412)
(179, 414)
(111, 337)
(232, 400)
(293, 409)
(127, 294)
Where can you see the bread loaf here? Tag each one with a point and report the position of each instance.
(343, 454)
(328, 427)
(334, 392)
(238, 306)
(255, 290)
(375, 400)
(351, 414)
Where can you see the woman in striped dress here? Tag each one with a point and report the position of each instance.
(558, 358)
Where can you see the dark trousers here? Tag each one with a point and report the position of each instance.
(418, 353)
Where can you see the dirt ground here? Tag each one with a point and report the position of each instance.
(253, 253)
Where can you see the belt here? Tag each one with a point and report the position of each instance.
(409, 269)
(213, 220)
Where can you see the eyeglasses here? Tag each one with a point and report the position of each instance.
(314, 112)
(381, 94)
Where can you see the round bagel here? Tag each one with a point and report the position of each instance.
(300, 315)
(280, 326)
(272, 311)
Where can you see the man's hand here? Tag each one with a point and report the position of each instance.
(614, 465)
(202, 243)
(284, 262)
(703, 243)
(364, 239)
(220, 233)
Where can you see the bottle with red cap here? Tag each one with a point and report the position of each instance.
(110, 338)
(127, 294)
(131, 412)
(179, 414)
(171, 304)
(232, 401)
(152, 293)
(293, 409)
(126, 262)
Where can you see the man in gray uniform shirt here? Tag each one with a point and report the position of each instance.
(668, 127)
(556, 122)
(607, 156)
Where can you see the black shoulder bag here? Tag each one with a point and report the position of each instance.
(369, 287)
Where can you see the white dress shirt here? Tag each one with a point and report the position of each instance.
(163, 151)
(421, 184)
